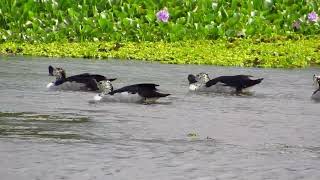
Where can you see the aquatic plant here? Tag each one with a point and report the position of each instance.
(275, 52)
(137, 20)
(296, 25)
(163, 15)
(313, 17)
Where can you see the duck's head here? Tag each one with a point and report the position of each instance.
(192, 79)
(202, 77)
(316, 81)
(199, 78)
(58, 72)
(105, 87)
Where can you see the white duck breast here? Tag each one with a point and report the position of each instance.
(218, 88)
(67, 86)
(125, 97)
(196, 87)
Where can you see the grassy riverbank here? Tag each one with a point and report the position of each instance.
(271, 52)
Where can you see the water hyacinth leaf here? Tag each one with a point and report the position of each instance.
(120, 14)
(181, 20)
(224, 13)
(230, 33)
(257, 4)
(213, 32)
(95, 11)
(30, 14)
(233, 21)
(234, 5)
(267, 4)
(86, 29)
(127, 22)
(103, 23)
(189, 18)
(72, 13)
(150, 17)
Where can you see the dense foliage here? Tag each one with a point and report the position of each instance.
(274, 52)
(141, 20)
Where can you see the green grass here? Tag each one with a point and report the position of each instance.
(277, 52)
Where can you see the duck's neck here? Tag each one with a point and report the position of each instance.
(203, 80)
(60, 76)
(105, 87)
(105, 91)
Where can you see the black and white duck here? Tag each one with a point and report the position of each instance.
(316, 83)
(136, 93)
(221, 84)
(80, 82)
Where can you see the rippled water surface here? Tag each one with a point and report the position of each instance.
(272, 134)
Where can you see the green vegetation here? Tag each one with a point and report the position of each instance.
(135, 20)
(264, 52)
(259, 33)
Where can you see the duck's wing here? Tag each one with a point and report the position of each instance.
(237, 81)
(89, 80)
(147, 90)
(87, 76)
(152, 94)
(227, 80)
(150, 91)
(99, 77)
(136, 88)
(92, 84)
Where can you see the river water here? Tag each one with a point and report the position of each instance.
(274, 133)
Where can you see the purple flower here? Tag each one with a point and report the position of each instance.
(296, 25)
(313, 17)
(163, 15)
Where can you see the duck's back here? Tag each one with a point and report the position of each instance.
(81, 82)
(136, 93)
(238, 82)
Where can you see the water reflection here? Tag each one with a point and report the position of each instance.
(33, 125)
